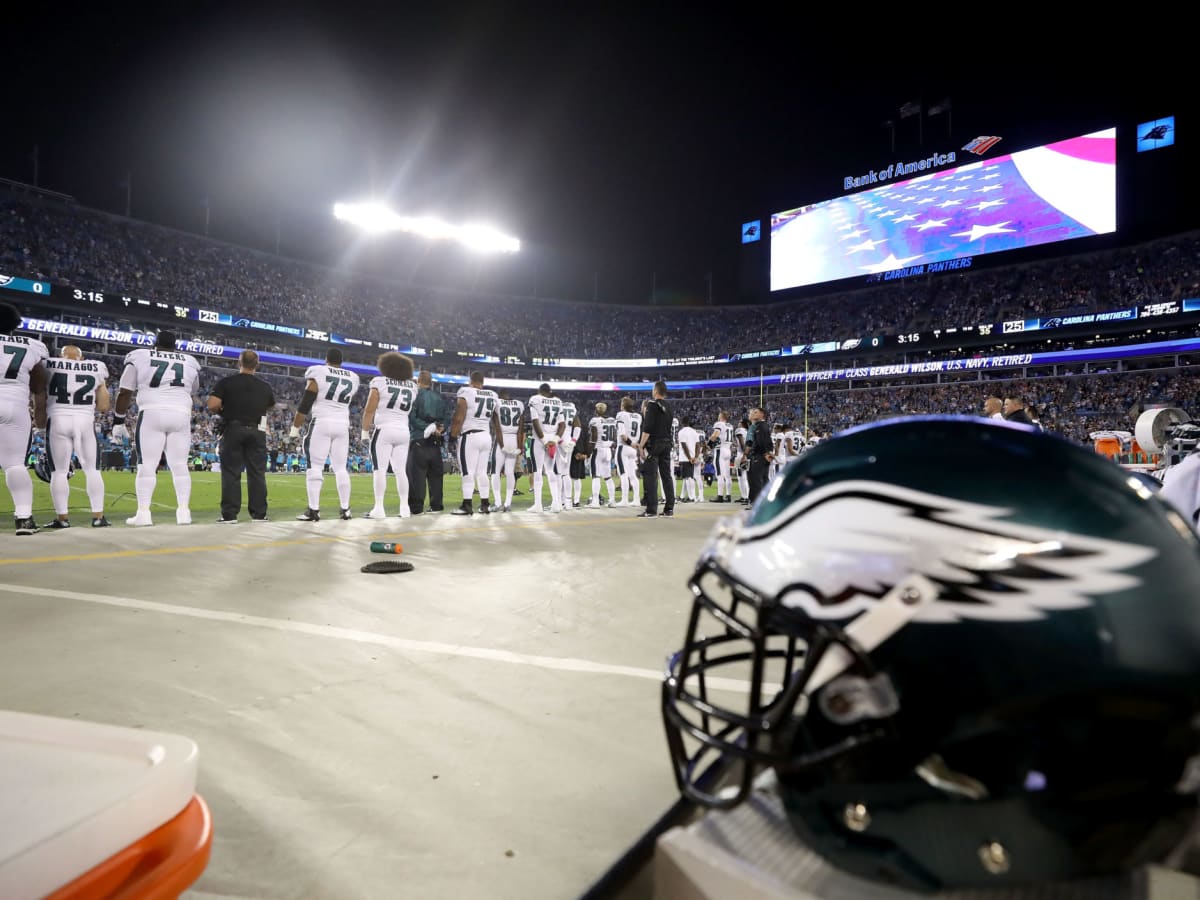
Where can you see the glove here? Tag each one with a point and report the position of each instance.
(218, 425)
(512, 451)
(120, 433)
(364, 435)
(430, 430)
(294, 432)
(568, 446)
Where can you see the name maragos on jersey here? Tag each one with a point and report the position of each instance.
(73, 383)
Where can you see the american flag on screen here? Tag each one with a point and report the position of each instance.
(1053, 193)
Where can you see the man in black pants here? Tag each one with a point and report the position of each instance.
(242, 400)
(760, 448)
(656, 443)
(427, 425)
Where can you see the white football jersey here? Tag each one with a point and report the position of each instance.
(606, 430)
(19, 355)
(395, 400)
(510, 415)
(724, 433)
(336, 388)
(481, 403)
(739, 435)
(674, 432)
(162, 379)
(73, 385)
(547, 410)
(568, 414)
(689, 438)
(797, 442)
(629, 425)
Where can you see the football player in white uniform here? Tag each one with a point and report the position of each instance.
(76, 390)
(506, 448)
(475, 425)
(780, 442)
(603, 429)
(390, 396)
(562, 460)
(690, 462)
(22, 377)
(546, 422)
(328, 392)
(164, 381)
(743, 461)
(629, 432)
(796, 440)
(722, 436)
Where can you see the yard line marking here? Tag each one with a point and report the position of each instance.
(554, 663)
(163, 551)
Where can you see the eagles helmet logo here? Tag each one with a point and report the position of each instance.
(861, 538)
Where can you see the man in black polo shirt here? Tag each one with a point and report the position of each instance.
(760, 449)
(242, 400)
(656, 443)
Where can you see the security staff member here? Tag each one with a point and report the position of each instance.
(760, 448)
(655, 441)
(427, 425)
(242, 400)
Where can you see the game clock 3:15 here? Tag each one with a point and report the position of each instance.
(88, 296)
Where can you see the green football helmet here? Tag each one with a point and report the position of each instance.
(969, 650)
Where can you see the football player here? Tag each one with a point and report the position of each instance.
(690, 463)
(329, 390)
(22, 377)
(572, 489)
(743, 461)
(509, 439)
(722, 436)
(603, 432)
(546, 423)
(676, 460)
(390, 396)
(77, 389)
(780, 452)
(629, 431)
(164, 381)
(475, 425)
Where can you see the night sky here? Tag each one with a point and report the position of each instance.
(627, 146)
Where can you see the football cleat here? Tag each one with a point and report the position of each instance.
(537, 508)
(464, 510)
(376, 512)
(141, 520)
(27, 526)
(309, 515)
(484, 507)
(344, 514)
(225, 521)
(183, 516)
(59, 524)
(593, 504)
(405, 512)
(100, 522)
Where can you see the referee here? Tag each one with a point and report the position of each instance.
(242, 400)
(656, 441)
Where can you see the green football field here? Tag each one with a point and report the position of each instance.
(285, 497)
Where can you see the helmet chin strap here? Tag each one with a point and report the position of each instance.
(897, 608)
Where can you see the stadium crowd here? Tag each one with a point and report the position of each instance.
(97, 251)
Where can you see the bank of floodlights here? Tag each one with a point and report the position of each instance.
(377, 219)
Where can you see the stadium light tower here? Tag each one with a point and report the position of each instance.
(377, 219)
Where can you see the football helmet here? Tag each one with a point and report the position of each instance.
(41, 465)
(969, 650)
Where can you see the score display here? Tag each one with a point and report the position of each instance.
(1056, 192)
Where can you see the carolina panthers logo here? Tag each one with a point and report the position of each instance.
(836, 551)
(6, 280)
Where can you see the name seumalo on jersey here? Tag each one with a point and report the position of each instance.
(395, 400)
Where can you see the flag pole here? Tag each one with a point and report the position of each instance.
(806, 398)
(760, 384)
